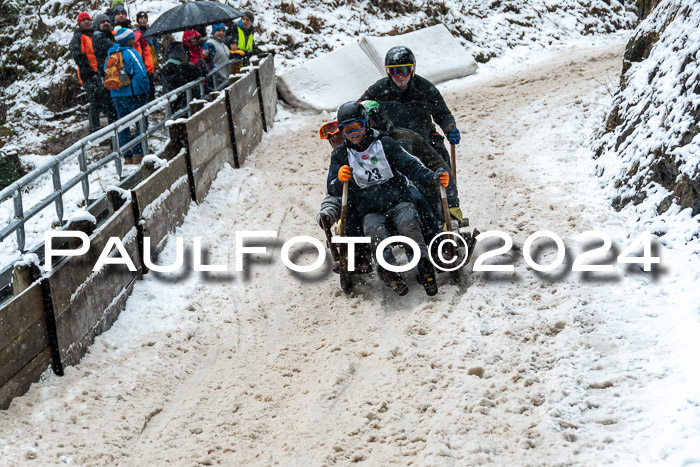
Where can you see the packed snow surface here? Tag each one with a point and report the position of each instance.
(263, 367)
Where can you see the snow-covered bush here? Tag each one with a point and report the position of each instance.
(650, 146)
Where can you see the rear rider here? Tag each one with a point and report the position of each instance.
(376, 169)
(412, 101)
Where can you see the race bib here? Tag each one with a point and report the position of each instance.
(370, 167)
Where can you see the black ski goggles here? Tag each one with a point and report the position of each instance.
(352, 126)
(401, 70)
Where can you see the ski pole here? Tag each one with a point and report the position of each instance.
(453, 158)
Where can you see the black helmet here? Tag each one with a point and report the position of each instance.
(351, 111)
(399, 55)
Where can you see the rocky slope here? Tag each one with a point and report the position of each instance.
(649, 148)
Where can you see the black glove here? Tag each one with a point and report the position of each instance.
(324, 219)
(441, 177)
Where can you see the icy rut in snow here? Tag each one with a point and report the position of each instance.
(511, 369)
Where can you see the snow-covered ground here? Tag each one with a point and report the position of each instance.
(36, 52)
(518, 368)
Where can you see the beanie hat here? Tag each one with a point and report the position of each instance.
(216, 27)
(249, 14)
(123, 35)
(177, 52)
(83, 16)
(117, 2)
(119, 9)
(99, 19)
(141, 14)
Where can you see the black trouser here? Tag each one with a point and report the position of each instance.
(100, 102)
(151, 88)
(405, 221)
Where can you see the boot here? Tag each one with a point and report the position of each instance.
(393, 280)
(426, 277)
(363, 262)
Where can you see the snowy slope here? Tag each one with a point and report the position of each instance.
(649, 150)
(38, 71)
(34, 38)
(510, 369)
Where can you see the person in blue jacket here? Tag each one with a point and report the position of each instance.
(376, 168)
(132, 96)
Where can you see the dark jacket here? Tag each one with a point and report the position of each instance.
(80, 49)
(409, 140)
(415, 108)
(378, 198)
(102, 41)
(178, 72)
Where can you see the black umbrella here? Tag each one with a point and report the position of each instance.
(191, 15)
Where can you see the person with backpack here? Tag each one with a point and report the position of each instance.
(217, 54)
(127, 80)
(376, 170)
(140, 45)
(412, 101)
(81, 49)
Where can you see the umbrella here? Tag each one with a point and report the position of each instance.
(191, 15)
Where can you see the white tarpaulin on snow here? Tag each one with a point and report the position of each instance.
(326, 82)
(439, 56)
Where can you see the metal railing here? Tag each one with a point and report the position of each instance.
(78, 150)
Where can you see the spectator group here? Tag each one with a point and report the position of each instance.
(120, 68)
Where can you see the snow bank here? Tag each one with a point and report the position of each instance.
(452, 61)
(326, 82)
(649, 150)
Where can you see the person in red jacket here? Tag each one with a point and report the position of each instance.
(190, 39)
(82, 52)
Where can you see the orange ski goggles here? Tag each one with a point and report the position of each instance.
(329, 129)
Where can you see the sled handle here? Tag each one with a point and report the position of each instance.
(453, 158)
(329, 239)
(445, 210)
(343, 210)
